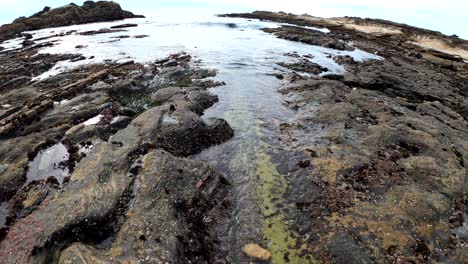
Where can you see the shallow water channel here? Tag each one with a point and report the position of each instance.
(245, 57)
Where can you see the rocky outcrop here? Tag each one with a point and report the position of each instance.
(67, 15)
(380, 31)
(168, 217)
(127, 175)
(367, 166)
(19, 66)
(382, 175)
(309, 36)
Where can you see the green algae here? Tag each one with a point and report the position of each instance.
(273, 186)
(252, 164)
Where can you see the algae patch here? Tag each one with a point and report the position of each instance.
(276, 226)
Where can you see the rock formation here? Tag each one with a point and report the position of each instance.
(71, 14)
(385, 180)
(368, 166)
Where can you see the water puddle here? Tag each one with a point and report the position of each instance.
(93, 121)
(51, 162)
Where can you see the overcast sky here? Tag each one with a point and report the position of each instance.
(447, 16)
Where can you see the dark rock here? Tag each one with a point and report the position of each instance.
(383, 148)
(18, 81)
(344, 250)
(346, 60)
(304, 163)
(27, 43)
(304, 65)
(190, 188)
(278, 76)
(67, 15)
(120, 122)
(164, 94)
(336, 77)
(140, 36)
(126, 111)
(100, 31)
(309, 36)
(79, 58)
(167, 219)
(27, 35)
(53, 181)
(125, 26)
(121, 37)
(170, 63)
(89, 4)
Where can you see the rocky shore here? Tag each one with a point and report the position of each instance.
(384, 146)
(106, 187)
(71, 14)
(98, 163)
(125, 129)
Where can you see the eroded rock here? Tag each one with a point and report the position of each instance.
(173, 198)
(105, 179)
(309, 36)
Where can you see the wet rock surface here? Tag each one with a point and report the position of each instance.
(166, 219)
(132, 175)
(18, 67)
(71, 14)
(125, 26)
(304, 65)
(383, 163)
(309, 36)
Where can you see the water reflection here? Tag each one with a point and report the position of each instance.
(49, 162)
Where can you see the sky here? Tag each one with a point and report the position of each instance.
(448, 16)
